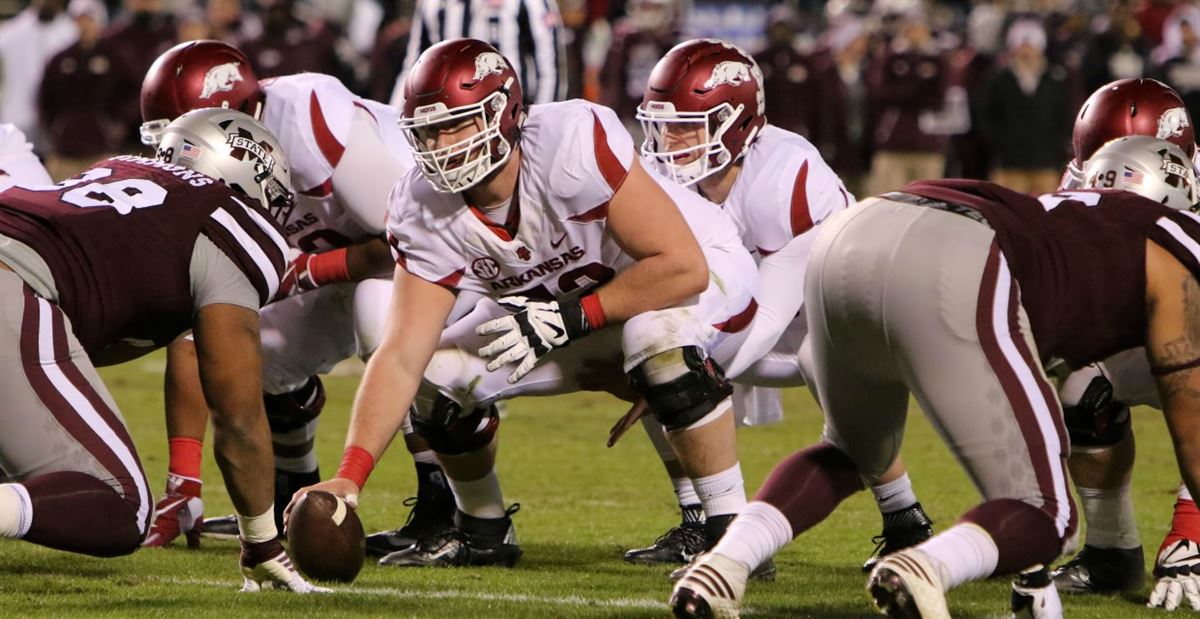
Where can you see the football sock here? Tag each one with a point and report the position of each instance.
(426, 457)
(480, 498)
(895, 495)
(755, 535)
(260, 528)
(185, 456)
(295, 448)
(1110, 519)
(962, 553)
(723, 493)
(689, 504)
(16, 510)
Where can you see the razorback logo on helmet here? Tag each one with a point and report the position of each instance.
(220, 78)
(488, 63)
(728, 72)
(1172, 123)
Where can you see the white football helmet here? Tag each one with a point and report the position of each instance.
(235, 149)
(1147, 166)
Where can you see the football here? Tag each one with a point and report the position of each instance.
(325, 538)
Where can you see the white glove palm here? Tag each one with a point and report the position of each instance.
(1178, 573)
(530, 333)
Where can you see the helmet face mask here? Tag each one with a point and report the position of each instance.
(1153, 168)
(694, 160)
(462, 164)
(235, 149)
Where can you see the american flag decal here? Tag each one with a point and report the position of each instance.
(190, 152)
(1132, 177)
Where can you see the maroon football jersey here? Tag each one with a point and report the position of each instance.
(1079, 258)
(118, 240)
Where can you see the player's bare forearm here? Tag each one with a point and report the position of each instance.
(1173, 345)
(230, 361)
(647, 224)
(187, 410)
(418, 313)
(369, 259)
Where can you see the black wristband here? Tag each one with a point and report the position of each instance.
(574, 318)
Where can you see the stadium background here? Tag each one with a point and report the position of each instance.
(890, 90)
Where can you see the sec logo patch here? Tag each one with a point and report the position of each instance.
(485, 268)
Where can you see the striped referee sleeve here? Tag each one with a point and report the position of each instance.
(540, 23)
(253, 241)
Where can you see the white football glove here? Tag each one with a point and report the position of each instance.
(267, 566)
(530, 333)
(1178, 574)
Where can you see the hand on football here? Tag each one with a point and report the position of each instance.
(265, 565)
(530, 333)
(338, 486)
(1178, 574)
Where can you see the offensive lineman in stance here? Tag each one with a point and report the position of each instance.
(553, 214)
(106, 267)
(950, 290)
(703, 114)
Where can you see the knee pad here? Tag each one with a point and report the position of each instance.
(295, 409)
(681, 386)
(1098, 420)
(450, 430)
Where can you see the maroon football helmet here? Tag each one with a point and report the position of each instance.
(715, 87)
(1136, 106)
(194, 75)
(455, 81)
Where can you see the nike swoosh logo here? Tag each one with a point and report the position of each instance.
(557, 332)
(555, 244)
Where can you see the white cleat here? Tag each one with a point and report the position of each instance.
(906, 585)
(712, 588)
(1035, 597)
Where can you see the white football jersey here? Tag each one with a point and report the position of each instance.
(574, 157)
(784, 189)
(311, 115)
(18, 164)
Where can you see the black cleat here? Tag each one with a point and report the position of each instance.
(222, 527)
(432, 513)
(471, 541)
(1095, 570)
(677, 546)
(1034, 596)
(901, 529)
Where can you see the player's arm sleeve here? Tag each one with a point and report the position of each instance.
(780, 299)
(416, 249)
(366, 174)
(216, 279)
(805, 192)
(595, 159)
(543, 26)
(419, 40)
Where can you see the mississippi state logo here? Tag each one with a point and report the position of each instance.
(220, 78)
(243, 145)
(485, 268)
(488, 63)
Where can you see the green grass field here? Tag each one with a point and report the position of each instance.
(582, 504)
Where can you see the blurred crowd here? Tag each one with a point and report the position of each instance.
(890, 90)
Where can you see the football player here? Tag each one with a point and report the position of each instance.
(1097, 398)
(949, 290)
(346, 153)
(705, 126)
(548, 213)
(112, 264)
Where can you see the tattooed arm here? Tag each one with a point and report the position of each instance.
(1173, 346)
